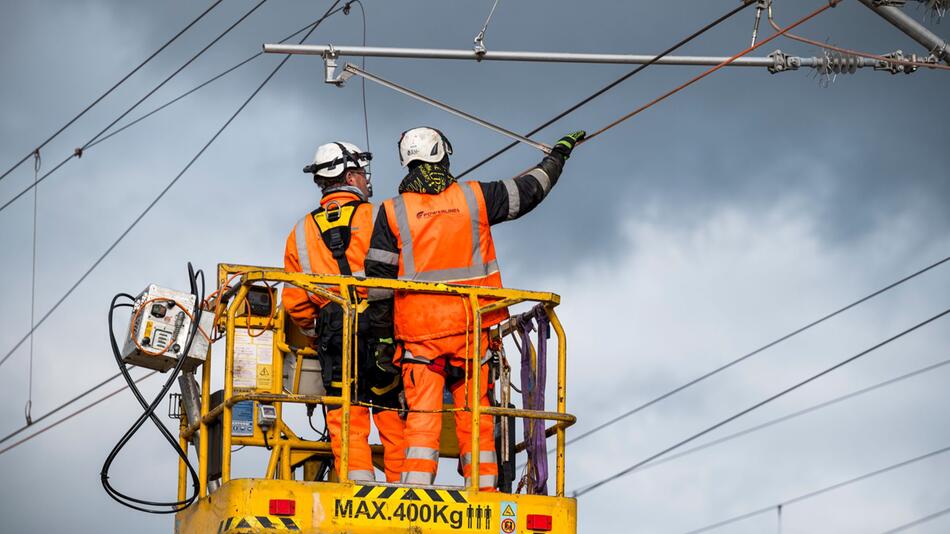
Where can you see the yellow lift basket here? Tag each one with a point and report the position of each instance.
(284, 498)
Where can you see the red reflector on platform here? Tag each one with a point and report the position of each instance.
(283, 507)
(539, 522)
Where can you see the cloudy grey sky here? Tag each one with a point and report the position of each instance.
(723, 218)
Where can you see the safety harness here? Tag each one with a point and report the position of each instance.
(334, 222)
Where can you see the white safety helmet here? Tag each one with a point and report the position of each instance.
(332, 159)
(423, 144)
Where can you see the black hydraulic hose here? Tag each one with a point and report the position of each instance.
(149, 410)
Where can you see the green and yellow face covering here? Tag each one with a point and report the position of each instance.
(429, 178)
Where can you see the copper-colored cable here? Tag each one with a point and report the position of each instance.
(666, 95)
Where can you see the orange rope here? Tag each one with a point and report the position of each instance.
(668, 94)
(850, 52)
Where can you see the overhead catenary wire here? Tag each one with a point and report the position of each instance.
(746, 356)
(78, 152)
(163, 192)
(113, 88)
(173, 101)
(69, 416)
(793, 415)
(60, 407)
(625, 471)
(821, 491)
(211, 80)
(611, 85)
(919, 521)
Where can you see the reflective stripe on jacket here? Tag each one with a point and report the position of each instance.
(305, 252)
(441, 238)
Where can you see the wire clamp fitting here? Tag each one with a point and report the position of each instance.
(782, 62)
(898, 63)
(479, 47)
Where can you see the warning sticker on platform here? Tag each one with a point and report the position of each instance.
(432, 509)
(264, 376)
(251, 353)
(509, 517)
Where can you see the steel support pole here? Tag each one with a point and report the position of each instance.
(541, 57)
(915, 30)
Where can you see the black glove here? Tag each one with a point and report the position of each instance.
(383, 354)
(566, 144)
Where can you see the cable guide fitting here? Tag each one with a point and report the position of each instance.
(330, 65)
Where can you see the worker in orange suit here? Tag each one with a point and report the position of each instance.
(333, 239)
(439, 230)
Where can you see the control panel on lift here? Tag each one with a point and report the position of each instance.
(158, 330)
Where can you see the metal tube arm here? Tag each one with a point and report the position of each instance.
(915, 30)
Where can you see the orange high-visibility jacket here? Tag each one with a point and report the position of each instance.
(446, 237)
(442, 238)
(305, 252)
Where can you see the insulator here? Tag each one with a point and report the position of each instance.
(838, 63)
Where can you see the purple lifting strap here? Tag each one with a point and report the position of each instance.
(532, 384)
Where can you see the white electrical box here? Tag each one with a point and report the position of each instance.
(159, 327)
(266, 416)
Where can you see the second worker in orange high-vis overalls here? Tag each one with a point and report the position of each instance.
(333, 239)
(439, 230)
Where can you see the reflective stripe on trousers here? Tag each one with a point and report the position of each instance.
(484, 457)
(417, 477)
(361, 475)
(422, 453)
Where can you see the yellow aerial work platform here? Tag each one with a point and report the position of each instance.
(288, 496)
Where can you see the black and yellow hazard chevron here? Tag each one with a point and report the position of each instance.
(256, 522)
(409, 494)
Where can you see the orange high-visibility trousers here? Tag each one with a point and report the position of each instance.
(424, 385)
(390, 427)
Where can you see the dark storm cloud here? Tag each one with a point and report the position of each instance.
(694, 211)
